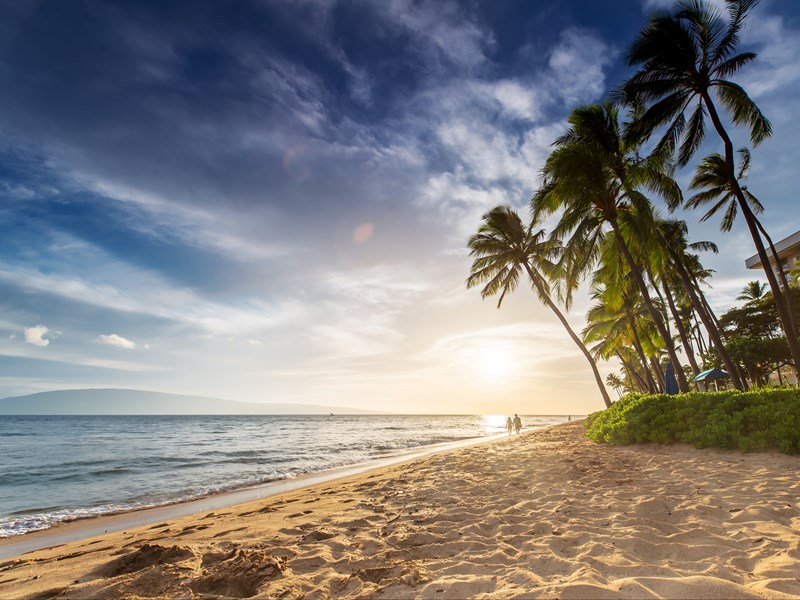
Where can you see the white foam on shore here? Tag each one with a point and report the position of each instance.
(95, 524)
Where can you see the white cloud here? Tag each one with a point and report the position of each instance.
(35, 335)
(777, 66)
(441, 26)
(577, 66)
(150, 294)
(116, 340)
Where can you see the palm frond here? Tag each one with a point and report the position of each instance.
(695, 132)
(732, 66)
(743, 110)
(744, 164)
(738, 11)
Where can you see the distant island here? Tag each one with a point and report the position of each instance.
(139, 402)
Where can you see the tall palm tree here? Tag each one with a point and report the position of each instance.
(504, 248)
(612, 323)
(711, 178)
(668, 282)
(620, 305)
(684, 57)
(752, 292)
(593, 177)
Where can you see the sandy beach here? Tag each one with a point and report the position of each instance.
(546, 514)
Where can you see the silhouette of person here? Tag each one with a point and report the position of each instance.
(517, 423)
(509, 425)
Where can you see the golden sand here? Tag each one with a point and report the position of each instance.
(546, 514)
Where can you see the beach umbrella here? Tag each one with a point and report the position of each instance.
(711, 375)
(670, 383)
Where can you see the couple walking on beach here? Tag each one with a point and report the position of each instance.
(516, 423)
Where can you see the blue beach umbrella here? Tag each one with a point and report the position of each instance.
(670, 383)
(710, 375)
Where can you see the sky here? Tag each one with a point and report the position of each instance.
(270, 201)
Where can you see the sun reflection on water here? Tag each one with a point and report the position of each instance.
(493, 424)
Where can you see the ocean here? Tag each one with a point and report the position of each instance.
(62, 468)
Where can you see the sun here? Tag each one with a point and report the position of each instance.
(494, 361)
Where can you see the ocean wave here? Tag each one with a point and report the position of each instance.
(111, 466)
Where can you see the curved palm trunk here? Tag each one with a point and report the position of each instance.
(659, 374)
(683, 385)
(633, 375)
(787, 296)
(710, 312)
(687, 347)
(637, 344)
(543, 293)
(711, 328)
(749, 218)
(701, 343)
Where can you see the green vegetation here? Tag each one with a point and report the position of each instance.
(761, 418)
(599, 187)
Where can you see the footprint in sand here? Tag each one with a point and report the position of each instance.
(238, 574)
(145, 556)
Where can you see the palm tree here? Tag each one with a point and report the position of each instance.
(612, 323)
(673, 235)
(616, 382)
(684, 56)
(504, 248)
(668, 282)
(752, 292)
(711, 178)
(593, 177)
(620, 307)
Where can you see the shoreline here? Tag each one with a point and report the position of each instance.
(74, 530)
(544, 514)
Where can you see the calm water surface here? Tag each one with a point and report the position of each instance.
(57, 468)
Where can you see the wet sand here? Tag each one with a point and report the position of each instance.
(545, 514)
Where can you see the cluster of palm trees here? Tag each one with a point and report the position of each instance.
(598, 184)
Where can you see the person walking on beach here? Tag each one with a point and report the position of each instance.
(517, 423)
(509, 425)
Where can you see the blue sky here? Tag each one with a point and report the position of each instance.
(269, 201)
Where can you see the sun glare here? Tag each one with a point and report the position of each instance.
(494, 361)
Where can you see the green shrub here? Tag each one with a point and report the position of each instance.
(761, 418)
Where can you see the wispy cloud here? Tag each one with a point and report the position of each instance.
(116, 340)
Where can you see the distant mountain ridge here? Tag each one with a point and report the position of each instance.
(112, 401)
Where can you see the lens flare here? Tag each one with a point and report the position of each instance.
(363, 233)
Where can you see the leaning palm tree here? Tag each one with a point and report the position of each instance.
(715, 188)
(614, 322)
(593, 178)
(673, 239)
(686, 56)
(503, 249)
(752, 292)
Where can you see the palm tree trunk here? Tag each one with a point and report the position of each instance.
(701, 343)
(749, 219)
(687, 347)
(633, 374)
(787, 296)
(637, 344)
(711, 328)
(663, 304)
(710, 312)
(659, 374)
(543, 293)
(683, 385)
